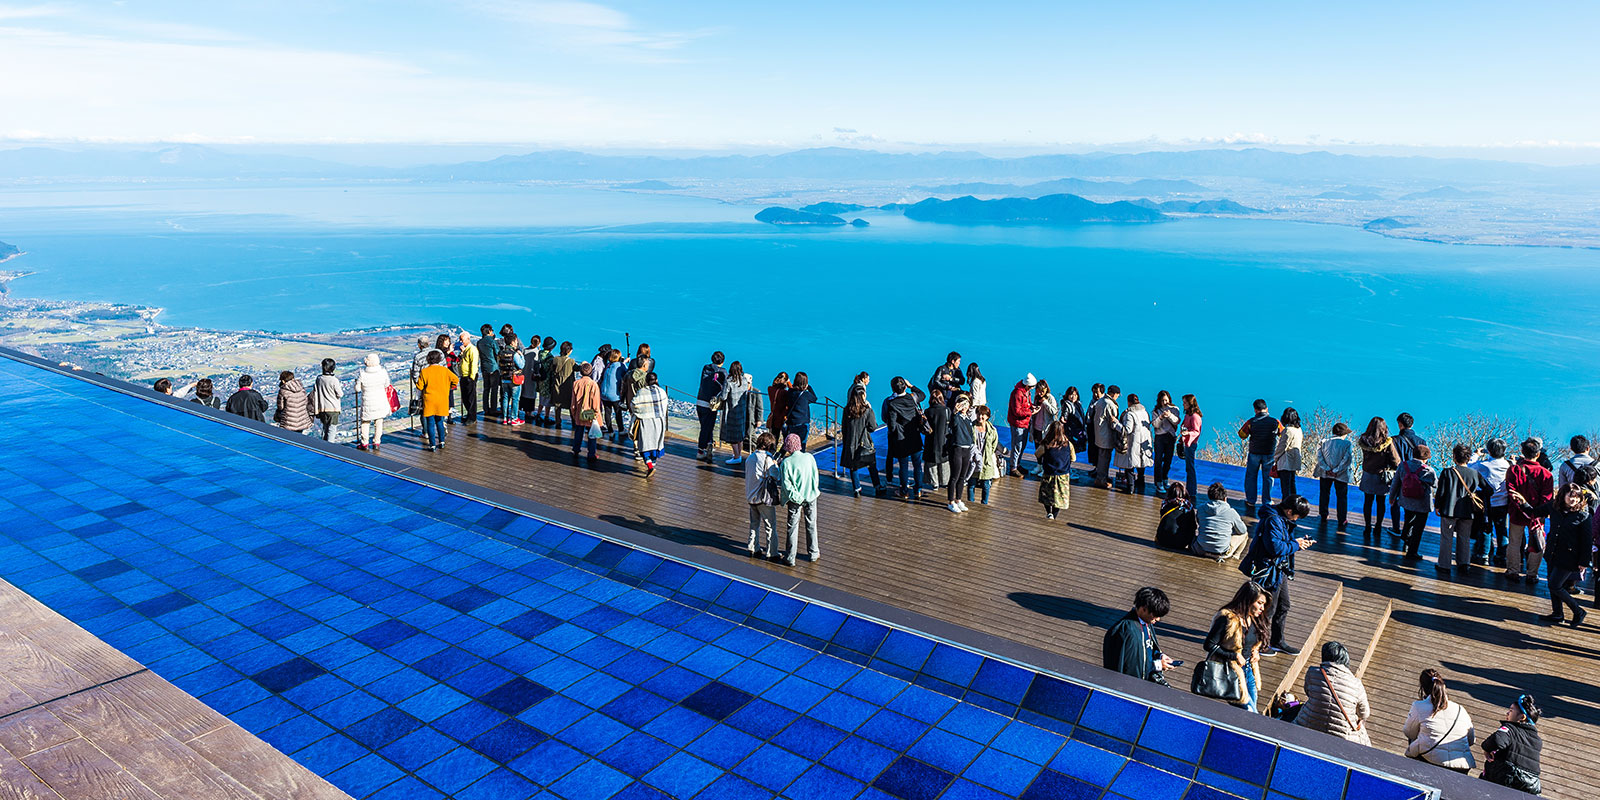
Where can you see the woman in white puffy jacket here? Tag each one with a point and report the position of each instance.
(372, 396)
(1439, 729)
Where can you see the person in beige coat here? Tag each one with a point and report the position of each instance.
(1438, 729)
(1336, 702)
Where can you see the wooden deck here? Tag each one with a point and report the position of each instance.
(81, 721)
(1005, 570)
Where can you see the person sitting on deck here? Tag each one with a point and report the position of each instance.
(247, 402)
(1176, 528)
(1511, 753)
(1219, 530)
(1130, 645)
(1336, 702)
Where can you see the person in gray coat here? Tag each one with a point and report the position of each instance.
(1106, 427)
(1335, 464)
(1336, 702)
(1460, 505)
(326, 394)
(1220, 531)
(743, 413)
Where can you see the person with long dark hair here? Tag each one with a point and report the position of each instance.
(649, 409)
(712, 378)
(977, 387)
(1568, 545)
(856, 448)
(1286, 458)
(1438, 730)
(1511, 753)
(1379, 460)
(800, 398)
(1055, 456)
(936, 432)
(958, 447)
(1164, 421)
(985, 453)
(1074, 419)
(741, 412)
(778, 405)
(1045, 413)
(512, 361)
(902, 415)
(1235, 638)
(1189, 441)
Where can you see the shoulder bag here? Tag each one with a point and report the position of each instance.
(1355, 725)
(1441, 739)
(1216, 680)
(1477, 502)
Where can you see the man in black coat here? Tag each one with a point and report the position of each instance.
(902, 413)
(247, 402)
(1130, 644)
(948, 378)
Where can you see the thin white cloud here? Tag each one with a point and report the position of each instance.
(188, 86)
(580, 25)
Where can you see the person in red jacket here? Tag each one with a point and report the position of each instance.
(1019, 416)
(1534, 483)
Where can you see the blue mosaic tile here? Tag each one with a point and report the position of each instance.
(408, 643)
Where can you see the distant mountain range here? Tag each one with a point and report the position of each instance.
(1198, 207)
(833, 208)
(1055, 209)
(1075, 186)
(828, 163)
(1445, 193)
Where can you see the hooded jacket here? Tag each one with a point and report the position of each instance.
(371, 387)
(294, 406)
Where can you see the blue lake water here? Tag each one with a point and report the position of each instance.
(1230, 310)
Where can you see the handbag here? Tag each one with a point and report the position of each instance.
(394, 398)
(517, 379)
(587, 415)
(1477, 502)
(1216, 680)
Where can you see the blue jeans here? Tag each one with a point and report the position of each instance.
(1019, 443)
(434, 427)
(1253, 464)
(1189, 456)
(580, 431)
(1249, 702)
(911, 476)
(510, 401)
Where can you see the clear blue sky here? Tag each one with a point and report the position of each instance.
(754, 74)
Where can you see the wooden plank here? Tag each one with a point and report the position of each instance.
(146, 752)
(1377, 635)
(1297, 667)
(167, 706)
(37, 673)
(264, 770)
(76, 770)
(17, 782)
(33, 730)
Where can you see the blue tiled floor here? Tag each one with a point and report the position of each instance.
(407, 643)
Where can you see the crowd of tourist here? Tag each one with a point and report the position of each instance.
(1437, 730)
(1493, 511)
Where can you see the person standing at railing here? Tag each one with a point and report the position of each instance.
(798, 400)
(958, 447)
(585, 409)
(467, 368)
(325, 396)
(778, 405)
(1379, 459)
(1019, 415)
(446, 345)
(985, 453)
(857, 451)
(611, 379)
(902, 414)
(798, 485)
(977, 387)
(706, 402)
(533, 394)
(947, 378)
(650, 422)
(1074, 420)
(1335, 465)
(488, 352)
(559, 371)
(1189, 441)
(372, 400)
(1164, 421)
(936, 432)
(741, 412)
(1406, 442)
(434, 384)
(1106, 430)
(512, 379)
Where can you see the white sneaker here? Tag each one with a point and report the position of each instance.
(954, 509)
(960, 506)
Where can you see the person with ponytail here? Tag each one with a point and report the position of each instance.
(1439, 730)
(1511, 753)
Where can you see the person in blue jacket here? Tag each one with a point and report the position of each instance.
(1270, 563)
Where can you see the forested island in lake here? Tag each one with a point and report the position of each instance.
(1055, 209)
